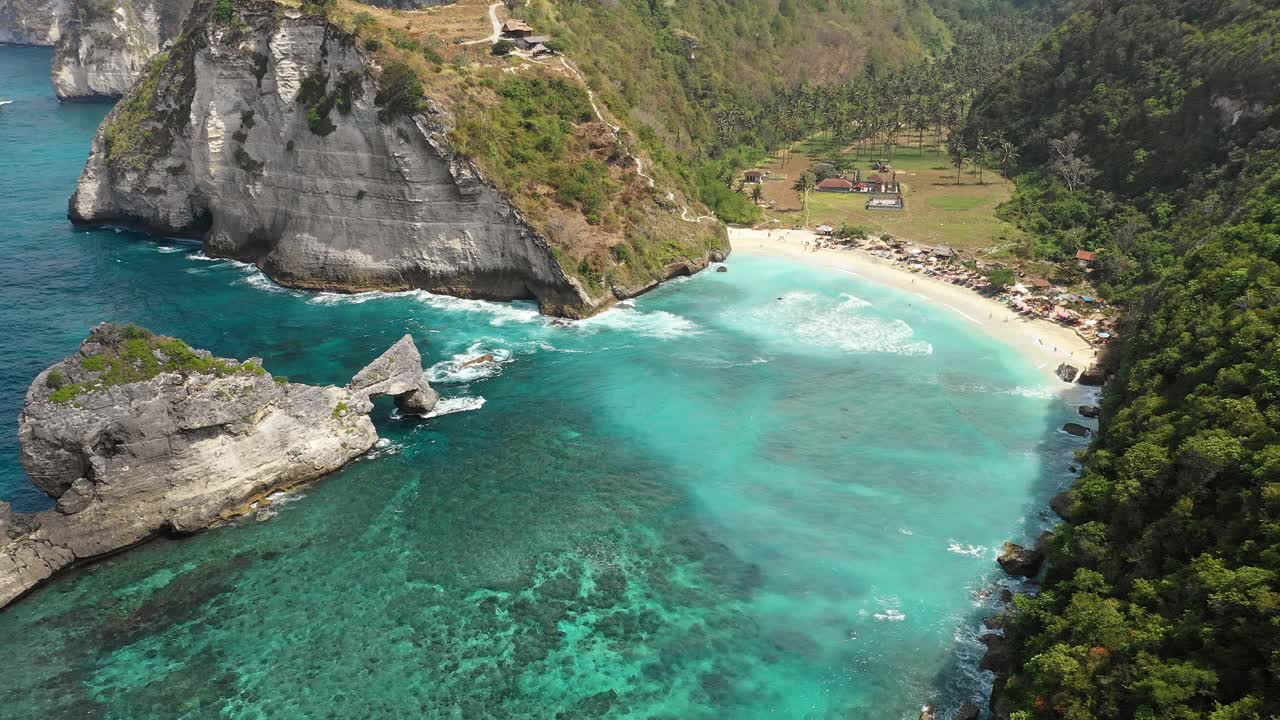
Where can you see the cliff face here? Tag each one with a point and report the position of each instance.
(33, 22)
(223, 140)
(139, 434)
(105, 44)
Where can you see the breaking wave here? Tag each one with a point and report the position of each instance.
(656, 324)
(810, 320)
(965, 549)
(471, 365)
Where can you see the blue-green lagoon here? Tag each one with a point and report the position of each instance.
(773, 492)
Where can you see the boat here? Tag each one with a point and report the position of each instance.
(5, 102)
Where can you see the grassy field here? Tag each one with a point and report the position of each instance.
(938, 211)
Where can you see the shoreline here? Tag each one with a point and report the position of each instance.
(1045, 344)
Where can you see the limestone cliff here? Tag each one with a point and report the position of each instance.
(105, 44)
(33, 22)
(139, 434)
(263, 133)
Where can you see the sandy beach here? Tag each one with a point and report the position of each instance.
(1045, 344)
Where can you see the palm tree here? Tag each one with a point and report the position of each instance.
(803, 185)
(757, 194)
(1006, 154)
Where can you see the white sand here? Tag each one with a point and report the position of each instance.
(1045, 344)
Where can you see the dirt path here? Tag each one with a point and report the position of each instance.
(497, 27)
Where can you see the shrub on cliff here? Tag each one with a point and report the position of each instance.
(399, 92)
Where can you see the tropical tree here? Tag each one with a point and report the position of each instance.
(757, 194)
(1006, 155)
(959, 157)
(804, 185)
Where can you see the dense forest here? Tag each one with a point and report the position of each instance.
(1148, 132)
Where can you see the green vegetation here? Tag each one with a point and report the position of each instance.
(128, 135)
(530, 137)
(1001, 278)
(320, 101)
(132, 354)
(341, 410)
(503, 47)
(223, 10)
(1164, 589)
(399, 91)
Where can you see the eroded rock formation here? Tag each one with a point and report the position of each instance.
(105, 44)
(33, 22)
(398, 373)
(262, 136)
(101, 46)
(139, 434)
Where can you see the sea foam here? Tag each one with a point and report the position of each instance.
(808, 320)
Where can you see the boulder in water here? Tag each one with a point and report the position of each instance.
(968, 711)
(1077, 429)
(723, 268)
(486, 358)
(1018, 560)
(1089, 411)
(1067, 372)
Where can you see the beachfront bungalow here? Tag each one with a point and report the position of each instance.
(835, 184)
(1086, 257)
(753, 176)
(516, 29)
(944, 252)
(825, 230)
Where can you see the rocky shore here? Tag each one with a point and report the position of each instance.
(139, 435)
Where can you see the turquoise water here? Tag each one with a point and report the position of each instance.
(773, 492)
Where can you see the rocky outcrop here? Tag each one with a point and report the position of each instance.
(1061, 504)
(106, 44)
(33, 22)
(1089, 411)
(1018, 560)
(1094, 375)
(968, 711)
(262, 136)
(398, 373)
(138, 435)
(997, 659)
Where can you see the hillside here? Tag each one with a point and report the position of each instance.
(1164, 589)
(338, 149)
(671, 69)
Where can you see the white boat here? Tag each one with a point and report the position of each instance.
(5, 102)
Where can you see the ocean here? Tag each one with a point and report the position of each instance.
(772, 492)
